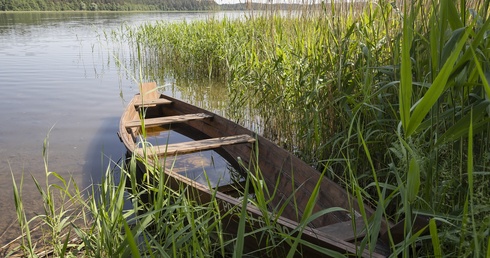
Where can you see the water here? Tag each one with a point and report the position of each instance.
(57, 78)
(206, 167)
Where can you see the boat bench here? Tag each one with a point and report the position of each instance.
(195, 146)
(149, 102)
(159, 121)
(345, 230)
(235, 189)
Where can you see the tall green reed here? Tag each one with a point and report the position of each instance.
(113, 220)
(27, 243)
(137, 213)
(382, 92)
(59, 214)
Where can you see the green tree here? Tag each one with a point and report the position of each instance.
(3, 5)
(113, 5)
(42, 5)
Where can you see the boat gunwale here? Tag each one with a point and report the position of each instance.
(311, 233)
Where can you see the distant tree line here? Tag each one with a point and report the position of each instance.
(262, 6)
(107, 5)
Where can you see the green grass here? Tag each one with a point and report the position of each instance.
(159, 222)
(391, 100)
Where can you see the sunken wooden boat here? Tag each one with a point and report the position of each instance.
(292, 180)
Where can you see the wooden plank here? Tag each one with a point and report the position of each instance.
(149, 90)
(194, 146)
(235, 189)
(345, 230)
(159, 121)
(147, 102)
(398, 233)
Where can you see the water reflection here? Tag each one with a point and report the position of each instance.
(211, 95)
(206, 167)
(58, 76)
(104, 152)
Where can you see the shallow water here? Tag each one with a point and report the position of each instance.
(206, 167)
(58, 78)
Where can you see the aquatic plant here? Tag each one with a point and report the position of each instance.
(391, 98)
(136, 213)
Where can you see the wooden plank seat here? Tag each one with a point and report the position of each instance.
(195, 146)
(151, 102)
(345, 230)
(159, 121)
(234, 189)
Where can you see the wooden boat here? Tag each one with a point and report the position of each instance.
(292, 180)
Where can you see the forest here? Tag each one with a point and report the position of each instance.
(106, 5)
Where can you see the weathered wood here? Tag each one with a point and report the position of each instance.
(194, 146)
(159, 121)
(291, 180)
(345, 230)
(149, 91)
(420, 222)
(149, 96)
(151, 102)
(235, 189)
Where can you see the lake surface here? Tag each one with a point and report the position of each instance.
(58, 78)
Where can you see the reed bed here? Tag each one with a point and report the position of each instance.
(393, 96)
(134, 212)
(390, 99)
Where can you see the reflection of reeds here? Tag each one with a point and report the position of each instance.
(386, 93)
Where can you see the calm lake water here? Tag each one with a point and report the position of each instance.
(57, 77)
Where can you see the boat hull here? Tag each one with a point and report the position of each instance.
(292, 181)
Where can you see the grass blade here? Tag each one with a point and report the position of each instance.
(405, 93)
(133, 247)
(241, 225)
(462, 126)
(306, 214)
(437, 88)
(471, 187)
(435, 238)
(413, 180)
